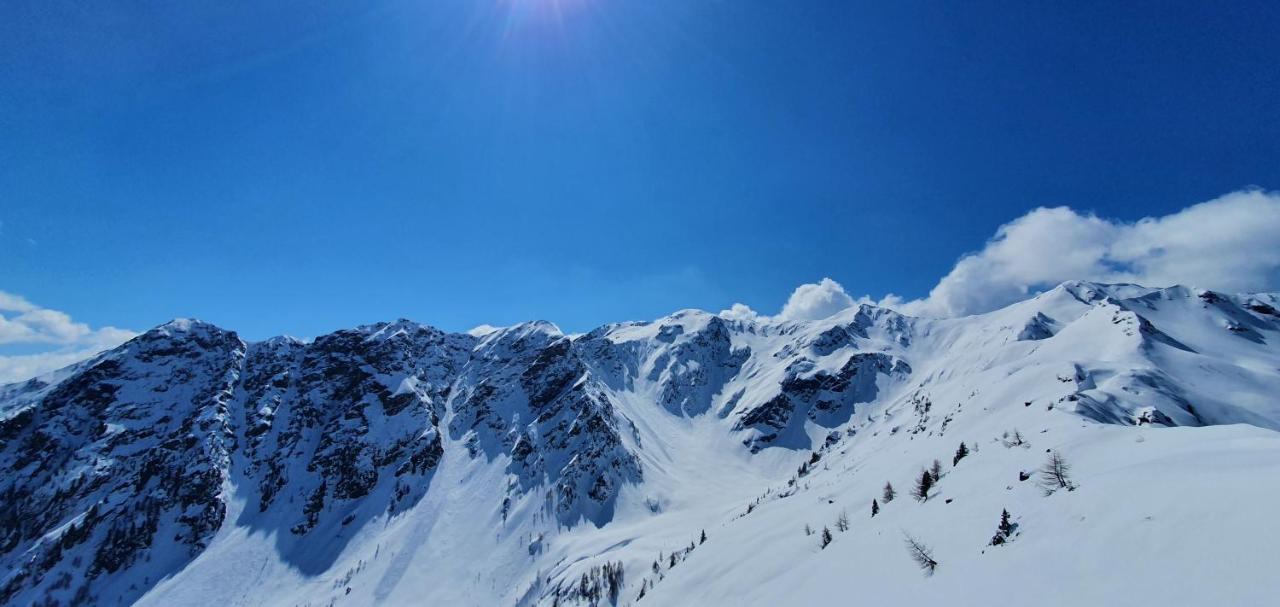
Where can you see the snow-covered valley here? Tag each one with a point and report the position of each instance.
(692, 460)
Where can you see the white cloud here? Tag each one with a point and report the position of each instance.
(13, 303)
(1231, 243)
(815, 301)
(812, 301)
(739, 311)
(62, 340)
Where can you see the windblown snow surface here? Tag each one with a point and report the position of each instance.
(395, 464)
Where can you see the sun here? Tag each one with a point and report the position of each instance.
(529, 12)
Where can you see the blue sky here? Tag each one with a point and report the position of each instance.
(311, 166)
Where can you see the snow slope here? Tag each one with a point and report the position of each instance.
(396, 464)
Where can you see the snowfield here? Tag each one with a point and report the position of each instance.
(692, 460)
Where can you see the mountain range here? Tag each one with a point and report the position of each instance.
(1093, 444)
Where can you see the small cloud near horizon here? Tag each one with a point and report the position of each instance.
(63, 340)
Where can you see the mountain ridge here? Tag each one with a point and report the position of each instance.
(132, 471)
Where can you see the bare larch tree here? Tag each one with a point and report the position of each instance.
(921, 554)
(1056, 474)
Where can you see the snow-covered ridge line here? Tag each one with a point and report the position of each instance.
(362, 465)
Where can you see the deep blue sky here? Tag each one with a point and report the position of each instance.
(296, 169)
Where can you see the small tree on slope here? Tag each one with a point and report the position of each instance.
(613, 578)
(875, 508)
(936, 470)
(1056, 474)
(888, 494)
(961, 452)
(923, 485)
(842, 521)
(1015, 440)
(826, 537)
(921, 554)
(1004, 532)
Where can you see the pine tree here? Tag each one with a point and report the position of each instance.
(826, 537)
(703, 539)
(889, 493)
(960, 453)
(1056, 474)
(875, 508)
(923, 485)
(1003, 532)
(842, 521)
(613, 578)
(936, 470)
(807, 529)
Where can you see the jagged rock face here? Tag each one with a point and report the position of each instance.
(528, 394)
(360, 407)
(1038, 327)
(689, 358)
(695, 370)
(130, 452)
(825, 398)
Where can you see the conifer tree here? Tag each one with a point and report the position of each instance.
(1003, 532)
(875, 508)
(826, 537)
(613, 578)
(961, 452)
(889, 493)
(923, 485)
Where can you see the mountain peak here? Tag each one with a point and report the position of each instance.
(187, 325)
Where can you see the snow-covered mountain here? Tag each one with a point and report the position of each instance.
(693, 460)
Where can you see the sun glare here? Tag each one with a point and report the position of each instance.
(530, 12)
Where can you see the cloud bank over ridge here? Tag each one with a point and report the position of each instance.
(1230, 243)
